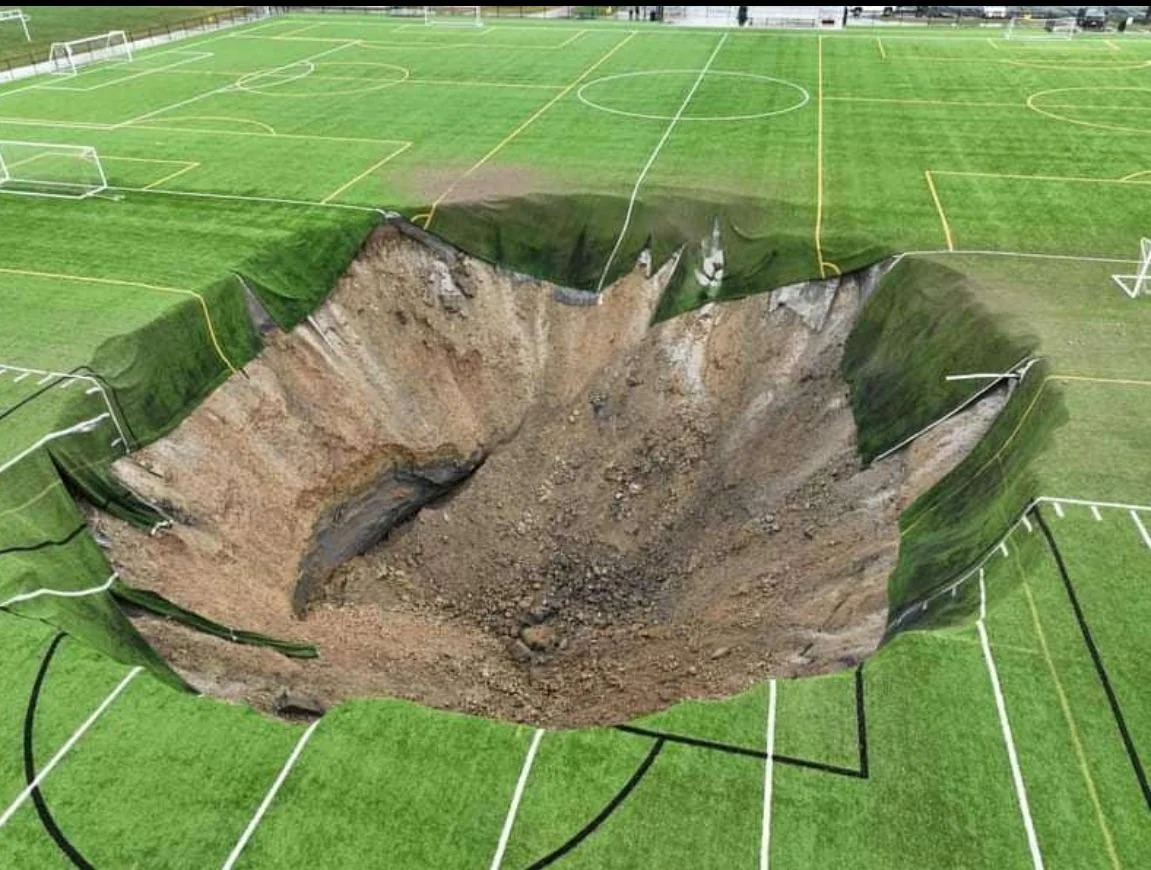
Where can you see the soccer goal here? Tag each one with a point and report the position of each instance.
(16, 15)
(50, 169)
(453, 16)
(1040, 28)
(65, 57)
(1138, 284)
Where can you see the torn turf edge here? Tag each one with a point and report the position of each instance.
(863, 771)
(158, 605)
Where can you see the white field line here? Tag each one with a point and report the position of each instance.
(68, 380)
(242, 198)
(651, 160)
(231, 85)
(1027, 524)
(270, 796)
(79, 428)
(1096, 504)
(768, 775)
(974, 397)
(1028, 254)
(1001, 546)
(1003, 549)
(1058, 509)
(1008, 739)
(61, 593)
(517, 796)
(199, 55)
(63, 750)
(1142, 528)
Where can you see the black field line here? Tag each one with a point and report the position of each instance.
(862, 772)
(32, 548)
(41, 805)
(602, 816)
(1097, 659)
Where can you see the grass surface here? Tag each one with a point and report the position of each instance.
(263, 153)
(50, 24)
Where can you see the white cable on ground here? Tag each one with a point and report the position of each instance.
(63, 750)
(521, 783)
(651, 160)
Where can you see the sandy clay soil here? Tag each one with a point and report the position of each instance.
(483, 493)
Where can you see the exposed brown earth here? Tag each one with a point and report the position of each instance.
(621, 515)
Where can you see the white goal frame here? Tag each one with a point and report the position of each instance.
(1138, 284)
(17, 15)
(66, 56)
(16, 177)
(1048, 28)
(472, 18)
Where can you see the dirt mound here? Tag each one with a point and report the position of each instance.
(483, 493)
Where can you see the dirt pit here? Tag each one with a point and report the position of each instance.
(485, 494)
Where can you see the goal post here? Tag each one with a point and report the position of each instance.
(453, 16)
(17, 15)
(65, 57)
(50, 169)
(1138, 284)
(1040, 28)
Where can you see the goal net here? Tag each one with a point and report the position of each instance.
(18, 16)
(453, 16)
(49, 169)
(1040, 28)
(65, 57)
(1138, 284)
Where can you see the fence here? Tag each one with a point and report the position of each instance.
(21, 66)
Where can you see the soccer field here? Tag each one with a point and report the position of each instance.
(1005, 723)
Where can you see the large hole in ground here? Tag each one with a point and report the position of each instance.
(472, 490)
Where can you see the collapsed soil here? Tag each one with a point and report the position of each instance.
(629, 514)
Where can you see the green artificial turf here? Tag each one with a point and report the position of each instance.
(50, 24)
(259, 157)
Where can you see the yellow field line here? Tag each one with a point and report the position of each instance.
(147, 125)
(175, 174)
(1136, 174)
(1086, 379)
(1019, 427)
(912, 102)
(571, 39)
(1076, 740)
(1112, 45)
(115, 282)
(303, 29)
(268, 127)
(531, 119)
(483, 84)
(365, 173)
(1080, 179)
(882, 52)
(819, 159)
(939, 210)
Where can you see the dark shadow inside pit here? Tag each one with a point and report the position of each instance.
(467, 492)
